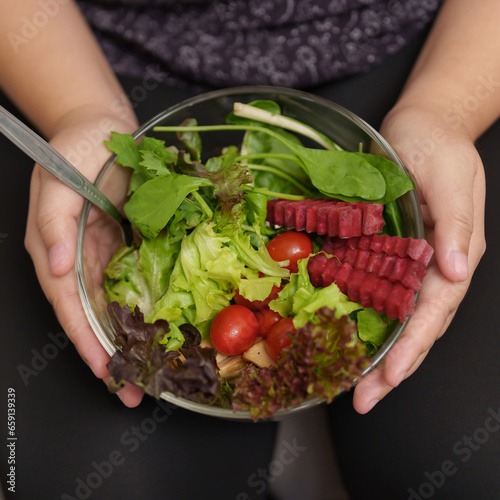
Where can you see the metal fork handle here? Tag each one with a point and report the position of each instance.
(51, 160)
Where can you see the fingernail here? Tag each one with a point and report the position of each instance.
(58, 255)
(371, 404)
(459, 264)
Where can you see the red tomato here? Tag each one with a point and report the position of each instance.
(291, 246)
(256, 305)
(234, 330)
(278, 338)
(267, 319)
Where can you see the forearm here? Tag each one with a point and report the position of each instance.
(59, 75)
(458, 71)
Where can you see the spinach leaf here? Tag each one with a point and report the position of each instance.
(393, 219)
(261, 143)
(137, 179)
(342, 173)
(257, 143)
(396, 181)
(154, 203)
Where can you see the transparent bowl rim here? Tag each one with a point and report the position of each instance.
(208, 96)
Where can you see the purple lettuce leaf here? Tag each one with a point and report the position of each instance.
(143, 361)
(323, 360)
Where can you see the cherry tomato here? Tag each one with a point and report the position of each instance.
(267, 319)
(291, 246)
(277, 338)
(256, 305)
(234, 330)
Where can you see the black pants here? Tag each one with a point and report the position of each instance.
(435, 436)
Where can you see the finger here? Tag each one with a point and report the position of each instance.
(449, 195)
(436, 306)
(61, 289)
(435, 309)
(63, 294)
(55, 219)
(130, 395)
(373, 388)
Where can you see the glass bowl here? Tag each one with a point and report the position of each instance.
(94, 253)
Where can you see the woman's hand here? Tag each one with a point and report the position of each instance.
(451, 187)
(52, 232)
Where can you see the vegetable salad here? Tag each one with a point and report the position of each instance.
(222, 299)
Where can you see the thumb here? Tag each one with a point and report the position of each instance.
(55, 219)
(451, 208)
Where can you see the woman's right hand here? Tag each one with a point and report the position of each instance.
(51, 232)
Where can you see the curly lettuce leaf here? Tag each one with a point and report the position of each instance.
(210, 266)
(141, 277)
(124, 282)
(202, 280)
(300, 299)
(323, 359)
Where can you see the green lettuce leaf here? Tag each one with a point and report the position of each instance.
(257, 259)
(202, 280)
(124, 146)
(208, 270)
(373, 328)
(156, 259)
(141, 277)
(124, 282)
(300, 299)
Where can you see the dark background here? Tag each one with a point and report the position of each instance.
(68, 424)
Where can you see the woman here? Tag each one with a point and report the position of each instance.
(449, 99)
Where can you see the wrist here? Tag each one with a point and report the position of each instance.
(423, 138)
(119, 118)
(466, 108)
(80, 134)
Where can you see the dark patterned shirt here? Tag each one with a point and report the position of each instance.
(292, 43)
